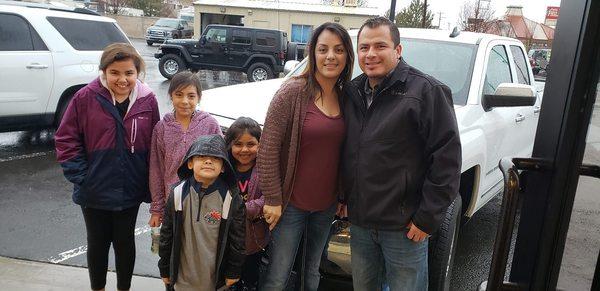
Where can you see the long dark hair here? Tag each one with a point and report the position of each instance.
(238, 127)
(312, 85)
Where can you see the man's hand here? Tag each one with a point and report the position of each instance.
(230, 282)
(154, 220)
(342, 210)
(415, 234)
(167, 280)
(272, 215)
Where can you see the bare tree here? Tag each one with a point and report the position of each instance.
(476, 15)
(113, 6)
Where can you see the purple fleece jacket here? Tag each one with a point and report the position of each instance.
(170, 142)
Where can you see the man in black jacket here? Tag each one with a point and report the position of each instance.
(401, 162)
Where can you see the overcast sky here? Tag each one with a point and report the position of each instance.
(532, 9)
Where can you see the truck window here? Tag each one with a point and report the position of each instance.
(86, 35)
(498, 70)
(218, 35)
(521, 65)
(17, 35)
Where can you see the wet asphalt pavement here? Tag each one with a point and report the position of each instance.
(41, 223)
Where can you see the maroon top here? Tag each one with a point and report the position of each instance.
(317, 170)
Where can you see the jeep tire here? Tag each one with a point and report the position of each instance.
(259, 72)
(292, 51)
(442, 248)
(150, 43)
(171, 64)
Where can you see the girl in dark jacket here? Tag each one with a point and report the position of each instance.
(102, 145)
(242, 139)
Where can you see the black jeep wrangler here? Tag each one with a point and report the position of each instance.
(261, 53)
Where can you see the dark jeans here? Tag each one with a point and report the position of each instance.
(103, 228)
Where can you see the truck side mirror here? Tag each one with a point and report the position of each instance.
(510, 95)
(180, 27)
(203, 40)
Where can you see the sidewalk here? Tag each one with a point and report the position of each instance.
(35, 276)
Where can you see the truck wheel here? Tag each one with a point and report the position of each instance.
(442, 248)
(149, 43)
(171, 64)
(259, 72)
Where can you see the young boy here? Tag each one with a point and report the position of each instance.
(202, 238)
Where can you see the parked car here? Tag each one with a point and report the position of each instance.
(168, 28)
(260, 53)
(47, 53)
(495, 104)
(539, 59)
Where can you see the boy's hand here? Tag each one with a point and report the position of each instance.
(167, 281)
(154, 220)
(272, 215)
(230, 282)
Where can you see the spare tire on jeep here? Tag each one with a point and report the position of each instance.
(171, 64)
(292, 51)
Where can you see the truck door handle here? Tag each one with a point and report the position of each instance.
(519, 118)
(36, 66)
(536, 109)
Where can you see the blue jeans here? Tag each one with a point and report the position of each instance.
(285, 240)
(380, 257)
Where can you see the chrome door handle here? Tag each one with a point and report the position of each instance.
(36, 66)
(536, 109)
(519, 118)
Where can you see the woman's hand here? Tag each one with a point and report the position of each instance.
(230, 282)
(167, 280)
(272, 215)
(154, 220)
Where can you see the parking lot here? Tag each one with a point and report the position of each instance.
(41, 223)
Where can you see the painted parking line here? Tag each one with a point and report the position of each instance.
(26, 156)
(78, 251)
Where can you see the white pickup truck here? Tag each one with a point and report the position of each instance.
(496, 107)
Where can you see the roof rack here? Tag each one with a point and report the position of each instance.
(49, 7)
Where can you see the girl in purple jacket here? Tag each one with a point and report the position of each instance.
(172, 137)
(242, 140)
(102, 144)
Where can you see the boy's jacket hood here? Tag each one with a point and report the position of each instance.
(208, 145)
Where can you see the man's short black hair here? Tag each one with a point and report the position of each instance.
(379, 21)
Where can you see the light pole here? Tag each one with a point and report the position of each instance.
(393, 11)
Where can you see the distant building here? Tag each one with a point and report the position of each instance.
(515, 25)
(297, 19)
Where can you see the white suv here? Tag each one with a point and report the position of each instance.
(47, 53)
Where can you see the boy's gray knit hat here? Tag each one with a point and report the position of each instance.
(207, 145)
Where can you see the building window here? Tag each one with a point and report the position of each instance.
(301, 33)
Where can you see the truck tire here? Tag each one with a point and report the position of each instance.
(292, 51)
(259, 72)
(171, 64)
(150, 43)
(442, 248)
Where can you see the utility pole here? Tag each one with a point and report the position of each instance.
(393, 11)
(424, 19)
(440, 20)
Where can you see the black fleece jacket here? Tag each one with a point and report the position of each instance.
(402, 155)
